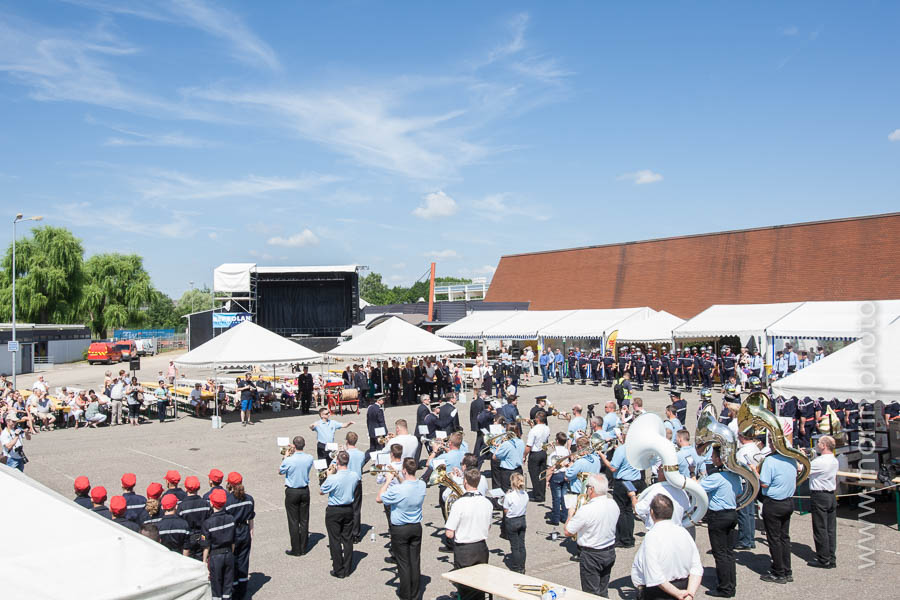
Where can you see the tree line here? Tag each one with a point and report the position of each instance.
(374, 291)
(55, 284)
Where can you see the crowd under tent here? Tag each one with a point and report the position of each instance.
(656, 329)
(395, 338)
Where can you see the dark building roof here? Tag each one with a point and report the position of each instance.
(844, 259)
(444, 311)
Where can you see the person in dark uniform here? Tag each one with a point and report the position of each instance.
(419, 378)
(408, 378)
(697, 357)
(806, 422)
(510, 412)
(173, 478)
(672, 370)
(485, 419)
(83, 491)
(687, 369)
(215, 483)
(98, 502)
(729, 363)
(640, 367)
(680, 406)
(118, 507)
(707, 366)
(540, 404)
(174, 532)
(596, 364)
(609, 367)
(339, 515)
(572, 362)
(151, 513)
(422, 412)
(194, 510)
(136, 502)
(217, 537)
(305, 385)
(243, 509)
(851, 414)
(475, 408)
(375, 421)
(393, 381)
(448, 417)
(655, 367)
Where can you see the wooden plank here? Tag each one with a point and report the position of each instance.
(500, 583)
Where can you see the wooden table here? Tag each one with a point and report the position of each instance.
(863, 479)
(500, 583)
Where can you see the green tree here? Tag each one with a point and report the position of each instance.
(161, 313)
(49, 278)
(117, 289)
(374, 291)
(192, 301)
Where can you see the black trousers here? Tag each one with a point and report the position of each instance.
(657, 593)
(357, 509)
(321, 453)
(406, 546)
(495, 472)
(721, 526)
(824, 523)
(537, 460)
(479, 445)
(515, 532)
(776, 516)
(467, 555)
(305, 401)
(505, 474)
(409, 393)
(221, 572)
(242, 542)
(339, 525)
(595, 568)
(296, 505)
(625, 525)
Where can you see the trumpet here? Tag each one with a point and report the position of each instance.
(332, 454)
(527, 422)
(323, 474)
(549, 446)
(493, 442)
(381, 470)
(384, 439)
(287, 451)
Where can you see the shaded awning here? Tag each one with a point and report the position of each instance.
(473, 326)
(742, 320)
(835, 320)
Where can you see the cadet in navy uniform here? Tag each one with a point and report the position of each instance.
(687, 369)
(173, 478)
(98, 500)
(609, 362)
(217, 537)
(640, 367)
(806, 421)
(174, 532)
(118, 507)
(787, 407)
(655, 366)
(375, 420)
(624, 362)
(243, 509)
(150, 513)
(136, 502)
(729, 362)
(339, 515)
(194, 510)
(672, 370)
(83, 491)
(405, 502)
(679, 405)
(485, 419)
(707, 364)
(697, 357)
(215, 483)
(851, 414)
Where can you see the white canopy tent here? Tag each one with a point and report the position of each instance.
(246, 345)
(864, 370)
(742, 320)
(592, 323)
(472, 327)
(46, 563)
(655, 329)
(524, 324)
(395, 338)
(834, 320)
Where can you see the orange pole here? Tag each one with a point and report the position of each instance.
(431, 297)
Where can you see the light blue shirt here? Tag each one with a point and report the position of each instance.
(340, 487)
(792, 359)
(778, 476)
(575, 424)
(781, 365)
(722, 488)
(585, 464)
(405, 501)
(756, 362)
(464, 447)
(453, 458)
(511, 453)
(357, 460)
(295, 469)
(325, 430)
(688, 455)
(558, 358)
(675, 425)
(623, 470)
(610, 422)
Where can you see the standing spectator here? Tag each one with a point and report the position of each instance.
(162, 400)
(11, 442)
(135, 396)
(305, 386)
(558, 365)
(172, 372)
(116, 398)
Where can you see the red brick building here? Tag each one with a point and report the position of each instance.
(845, 259)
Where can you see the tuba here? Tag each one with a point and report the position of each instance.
(440, 477)
(646, 440)
(710, 432)
(831, 425)
(755, 417)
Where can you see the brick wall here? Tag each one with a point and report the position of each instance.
(846, 259)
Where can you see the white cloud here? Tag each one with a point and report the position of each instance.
(298, 240)
(436, 204)
(175, 224)
(517, 26)
(441, 254)
(894, 136)
(497, 207)
(790, 31)
(485, 270)
(213, 235)
(641, 177)
(174, 139)
(173, 185)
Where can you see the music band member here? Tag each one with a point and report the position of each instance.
(722, 488)
(778, 482)
(340, 487)
(405, 501)
(296, 467)
(357, 460)
(822, 483)
(536, 456)
(594, 524)
(627, 483)
(325, 428)
(468, 526)
(510, 454)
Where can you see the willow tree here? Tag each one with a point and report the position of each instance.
(116, 289)
(49, 277)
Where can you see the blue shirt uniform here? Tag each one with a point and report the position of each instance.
(576, 424)
(295, 469)
(585, 464)
(357, 460)
(688, 457)
(674, 424)
(325, 430)
(623, 470)
(610, 422)
(453, 458)
(778, 476)
(511, 453)
(340, 488)
(722, 488)
(405, 501)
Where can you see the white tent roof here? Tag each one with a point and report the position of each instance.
(395, 338)
(472, 326)
(46, 561)
(244, 345)
(742, 320)
(657, 328)
(859, 371)
(834, 320)
(524, 324)
(592, 323)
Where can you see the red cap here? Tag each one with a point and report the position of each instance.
(234, 478)
(154, 491)
(216, 476)
(217, 498)
(98, 495)
(129, 480)
(118, 505)
(173, 476)
(191, 484)
(82, 484)
(169, 501)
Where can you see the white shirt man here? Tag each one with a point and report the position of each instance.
(823, 503)
(594, 524)
(668, 560)
(749, 453)
(468, 526)
(537, 437)
(40, 384)
(681, 503)
(409, 442)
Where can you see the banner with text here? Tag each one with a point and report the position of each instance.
(229, 320)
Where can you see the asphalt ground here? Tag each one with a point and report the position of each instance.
(868, 548)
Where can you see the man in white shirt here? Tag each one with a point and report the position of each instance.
(667, 565)
(594, 527)
(468, 526)
(681, 503)
(40, 384)
(409, 442)
(822, 483)
(116, 396)
(536, 457)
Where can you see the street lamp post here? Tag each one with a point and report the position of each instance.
(16, 352)
(191, 283)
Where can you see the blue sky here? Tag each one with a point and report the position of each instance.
(392, 133)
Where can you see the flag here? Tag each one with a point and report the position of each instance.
(611, 340)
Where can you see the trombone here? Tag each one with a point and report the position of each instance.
(493, 442)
